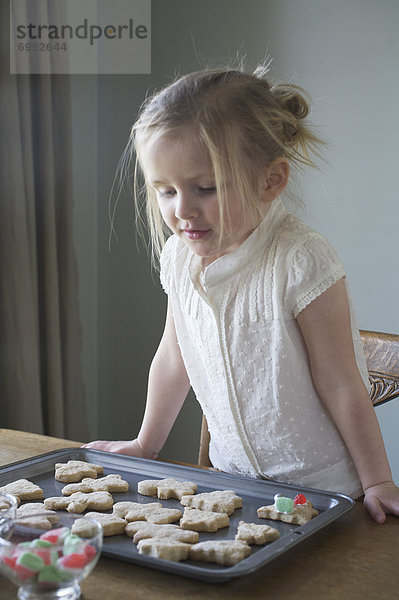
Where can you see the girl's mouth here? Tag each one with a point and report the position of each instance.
(195, 234)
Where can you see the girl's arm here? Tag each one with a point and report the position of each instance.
(168, 386)
(326, 328)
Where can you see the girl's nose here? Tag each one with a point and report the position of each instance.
(186, 207)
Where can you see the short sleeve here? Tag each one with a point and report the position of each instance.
(166, 263)
(313, 266)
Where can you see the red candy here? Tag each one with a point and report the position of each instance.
(50, 537)
(74, 561)
(23, 573)
(54, 536)
(46, 555)
(90, 552)
(9, 561)
(300, 499)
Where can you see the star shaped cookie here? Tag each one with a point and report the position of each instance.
(110, 483)
(153, 512)
(301, 513)
(166, 488)
(79, 502)
(76, 470)
(203, 520)
(30, 512)
(111, 524)
(224, 501)
(222, 552)
(141, 530)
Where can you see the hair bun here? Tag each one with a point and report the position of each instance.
(293, 99)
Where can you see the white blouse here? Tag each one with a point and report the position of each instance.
(246, 358)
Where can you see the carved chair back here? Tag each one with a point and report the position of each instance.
(382, 356)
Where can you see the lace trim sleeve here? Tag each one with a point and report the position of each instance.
(313, 266)
(165, 262)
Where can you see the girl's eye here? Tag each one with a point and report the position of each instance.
(166, 193)
(208, 189)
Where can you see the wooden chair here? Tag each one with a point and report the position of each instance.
(382, 356)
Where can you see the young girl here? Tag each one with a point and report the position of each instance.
(258, 322)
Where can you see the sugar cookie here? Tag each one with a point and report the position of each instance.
(45, 519)
(76, 470)
(153, 512)
(166, 488)
(203, 520)
(23, 489)
(79, 502)
(223, 552)
(225, 501)
(110, 483)
(165, 549)
(111, 524)
(140, 530)
(254, 534)
(300, 514)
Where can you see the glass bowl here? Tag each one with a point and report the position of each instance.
(45, 559)
(8, 506)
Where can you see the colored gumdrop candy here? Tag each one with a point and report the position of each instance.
(23, 573)
(73, 561)
(44, 549)
(24, 545)
(40, 543)
(90, 551)
(283, 504)
(30, 561)
(72, 544)
(54, 536)
(21, 568)
(10, 561)
(49, 556)
(49, 574)
(300, 499)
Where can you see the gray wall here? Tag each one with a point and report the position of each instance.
(345, 52)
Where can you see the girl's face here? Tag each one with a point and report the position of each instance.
(180, 171)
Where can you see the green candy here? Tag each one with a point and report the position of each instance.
(284, 505)
(25, 544)
(72, 544)
(49, 574)
(31, 561)
(41, 544)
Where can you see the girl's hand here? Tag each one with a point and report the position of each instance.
(129, 447)
(382, 499)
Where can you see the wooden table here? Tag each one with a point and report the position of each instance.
(352, 558)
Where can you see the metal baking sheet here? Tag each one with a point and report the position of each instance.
(254, 492)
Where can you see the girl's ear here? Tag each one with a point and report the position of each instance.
(276, 179)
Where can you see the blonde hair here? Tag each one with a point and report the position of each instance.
(243, 122)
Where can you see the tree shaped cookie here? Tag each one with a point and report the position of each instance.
(76, 470)
(78, 502)
(140, 530)
(110, 483)
(203, 520)
(153, 512)
(225, 501)
(166, 488)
